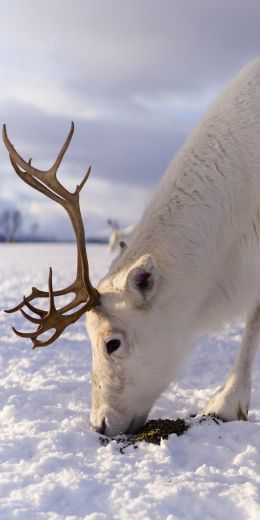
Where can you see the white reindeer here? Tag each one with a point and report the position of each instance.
(192, 265)
(119, 237)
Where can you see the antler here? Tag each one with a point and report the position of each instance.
(47, 183)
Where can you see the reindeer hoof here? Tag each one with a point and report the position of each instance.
(228, 405)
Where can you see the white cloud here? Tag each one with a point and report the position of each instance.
(172, 102)
(52, 99)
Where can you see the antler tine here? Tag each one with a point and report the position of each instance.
(40, 312)
(12, 152)
(25, 334)
(23, 164)
(29, 179)
(46, 342)
(84, 180)
(53, 188)
(30, 318)
(47, 183)
(52, 307)
(62, 151)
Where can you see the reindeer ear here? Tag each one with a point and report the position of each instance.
(142, 280)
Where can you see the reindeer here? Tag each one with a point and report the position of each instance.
(191, 266)
(119, 237)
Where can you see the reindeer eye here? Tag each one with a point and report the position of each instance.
(113, 345)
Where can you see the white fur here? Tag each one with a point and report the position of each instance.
(199, 242)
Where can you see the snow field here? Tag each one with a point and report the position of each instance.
(52, 467)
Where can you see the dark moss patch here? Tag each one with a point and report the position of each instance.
(155, 430)
(152, 432)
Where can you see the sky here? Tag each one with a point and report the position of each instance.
(134, 75)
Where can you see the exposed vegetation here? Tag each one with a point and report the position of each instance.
(152, 432)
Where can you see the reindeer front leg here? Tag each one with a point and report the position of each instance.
(231, 401)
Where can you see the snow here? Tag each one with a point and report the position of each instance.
(53, 466)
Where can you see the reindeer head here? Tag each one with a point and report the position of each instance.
(127, 377)
(128, 372)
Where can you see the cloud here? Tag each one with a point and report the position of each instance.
(135, 76)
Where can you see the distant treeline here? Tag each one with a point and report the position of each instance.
(39, 240)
